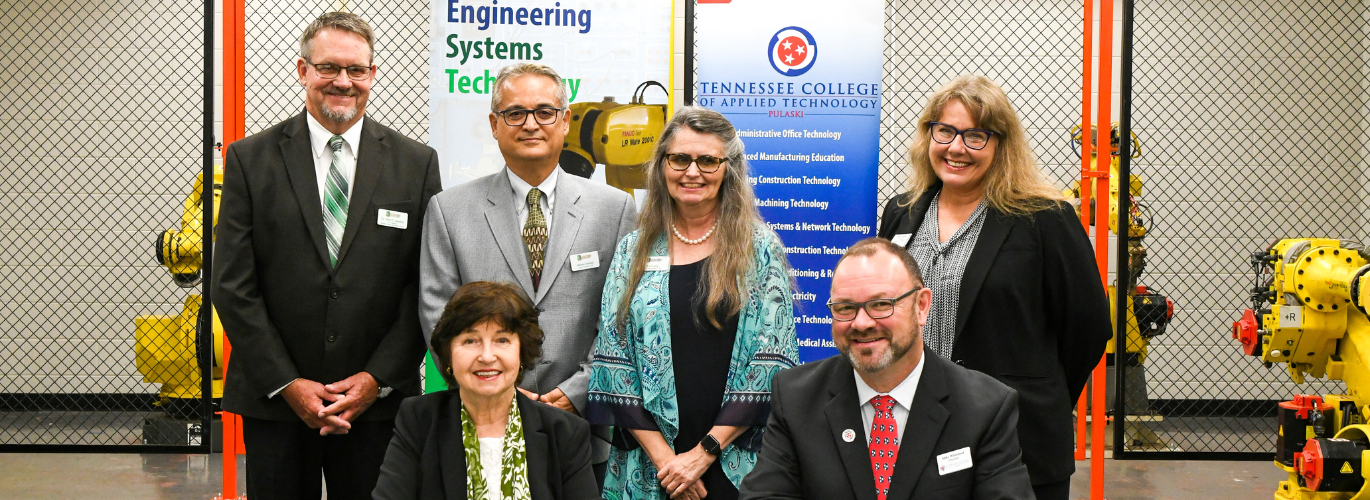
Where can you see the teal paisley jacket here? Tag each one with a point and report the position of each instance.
(632, 381)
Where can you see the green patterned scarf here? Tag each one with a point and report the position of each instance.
(513, 481)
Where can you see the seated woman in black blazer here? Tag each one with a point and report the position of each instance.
(484, 440)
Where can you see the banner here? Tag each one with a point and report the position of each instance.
(600, 49)
(801, 82)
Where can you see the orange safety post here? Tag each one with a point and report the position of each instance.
(1105, 118)
(234, 124)
(1081, 407)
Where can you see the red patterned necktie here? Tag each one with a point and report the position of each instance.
(884, 444)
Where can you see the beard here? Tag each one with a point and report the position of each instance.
(345, 115)
(895, 352)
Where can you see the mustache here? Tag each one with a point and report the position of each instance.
(331, 90)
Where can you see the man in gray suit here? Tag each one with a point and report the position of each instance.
(534, 225)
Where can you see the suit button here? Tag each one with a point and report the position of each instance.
(332, 337)
(333, 293)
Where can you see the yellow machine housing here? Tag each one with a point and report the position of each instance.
(1309, 313)
(621, 137)
(165, 348)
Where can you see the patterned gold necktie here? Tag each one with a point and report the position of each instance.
(535, 235)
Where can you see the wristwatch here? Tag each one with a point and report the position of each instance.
(711, 445)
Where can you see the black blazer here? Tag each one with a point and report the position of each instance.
(426, 458)
(287, 311)
(803, 454)
(1033, 314)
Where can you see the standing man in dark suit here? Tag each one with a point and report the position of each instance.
(531, 224)
(316, 276)
(898, 421)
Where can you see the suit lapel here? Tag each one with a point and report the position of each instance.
(371, 154)
(926, 419)
(917, 212)
(451, 450)
(536, 450)
(504, 226)
(565, 226)
(299, 167)
(843, 412)
(992, 235)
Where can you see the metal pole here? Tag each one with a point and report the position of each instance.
(1124, 234)
(689, 52)
(205, 333)
(1082, 405)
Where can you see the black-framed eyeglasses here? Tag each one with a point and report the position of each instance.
(875, 308)
(974, 138)
(545, 115)
(331, 71)
(706, 164)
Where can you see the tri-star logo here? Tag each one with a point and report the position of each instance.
(792, 51)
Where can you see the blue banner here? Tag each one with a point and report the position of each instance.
(801, 82)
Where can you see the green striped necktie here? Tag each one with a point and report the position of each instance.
(335, 204)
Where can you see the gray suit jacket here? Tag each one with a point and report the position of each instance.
(471, 233)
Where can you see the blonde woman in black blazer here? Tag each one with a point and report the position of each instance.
(1030, 308)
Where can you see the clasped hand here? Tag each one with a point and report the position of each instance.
(680, 476)
(347, 399)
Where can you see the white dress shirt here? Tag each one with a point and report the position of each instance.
(548, 199)
(903, 399)
(323, 157)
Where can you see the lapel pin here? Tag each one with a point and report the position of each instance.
(849, 435)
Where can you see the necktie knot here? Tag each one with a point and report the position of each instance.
(534, 198)
(335, 143)
(883, 404)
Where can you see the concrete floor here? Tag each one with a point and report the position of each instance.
(42, 476)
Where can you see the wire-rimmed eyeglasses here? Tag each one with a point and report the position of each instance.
(331, 71)
(875, 308)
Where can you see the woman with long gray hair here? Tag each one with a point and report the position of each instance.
(702, 254)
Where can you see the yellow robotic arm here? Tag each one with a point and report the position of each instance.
(1308, 311)
(165, 349)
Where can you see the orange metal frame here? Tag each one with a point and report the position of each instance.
(234, 123)
(1099, 176)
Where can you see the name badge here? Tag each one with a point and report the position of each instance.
(901, 239)
(953, 461)
(391, 218)
(658, 263)
(583, 261)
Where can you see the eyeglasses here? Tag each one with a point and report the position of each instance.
(974, 138)
(331, 71)
(546, 115)
(875, 308)
(681, 162)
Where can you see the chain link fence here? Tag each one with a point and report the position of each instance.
(399, 96)
(1252, 123)
(102, 135)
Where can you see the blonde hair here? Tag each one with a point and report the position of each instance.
(1014, 184)
(737, 217)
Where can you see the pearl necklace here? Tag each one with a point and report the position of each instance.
(696, 241)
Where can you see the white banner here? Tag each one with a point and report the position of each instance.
(601, 49)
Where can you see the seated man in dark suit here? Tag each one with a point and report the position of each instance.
(837, 426)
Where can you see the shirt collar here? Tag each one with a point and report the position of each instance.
(319, 136)
(902, 393)
(522, 187)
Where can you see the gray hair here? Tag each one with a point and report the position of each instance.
(516, 70)
(341, 21)
(737, 219)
